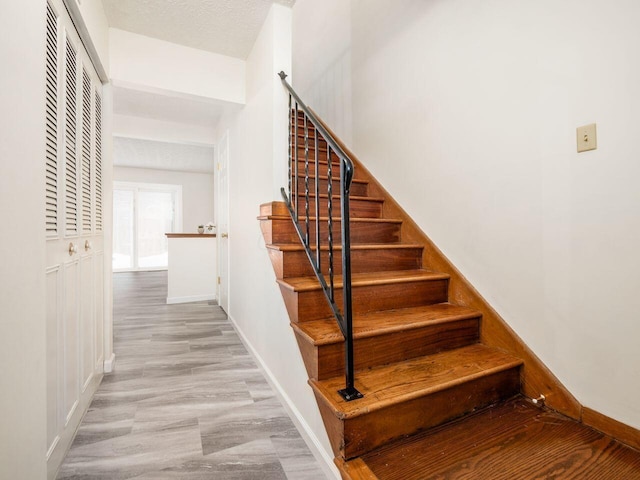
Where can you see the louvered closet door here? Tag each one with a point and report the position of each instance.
(74, 224)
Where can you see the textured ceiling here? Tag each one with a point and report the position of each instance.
(228, 27)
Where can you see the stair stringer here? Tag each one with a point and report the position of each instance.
(536, 377)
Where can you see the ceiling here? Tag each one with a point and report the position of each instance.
(134, 152)
(170, 108)
(227, 27)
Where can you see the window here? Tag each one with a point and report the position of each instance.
(142, 215)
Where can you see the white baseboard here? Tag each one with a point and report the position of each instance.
(323, 457)
(192, 298)
(109, 363)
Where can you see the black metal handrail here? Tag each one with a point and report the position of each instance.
(292, 200)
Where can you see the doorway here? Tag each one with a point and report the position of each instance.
(142, 214)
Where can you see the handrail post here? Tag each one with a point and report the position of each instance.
(349, 392)
(344, 318)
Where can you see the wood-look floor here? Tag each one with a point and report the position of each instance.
(186, 400)
(513, 441)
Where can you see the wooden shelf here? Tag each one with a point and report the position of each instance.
(190, 235)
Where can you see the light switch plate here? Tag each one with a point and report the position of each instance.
(586, 138)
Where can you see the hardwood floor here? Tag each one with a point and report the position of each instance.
(186, 400)
(515, 440)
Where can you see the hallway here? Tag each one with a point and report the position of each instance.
(186, 400)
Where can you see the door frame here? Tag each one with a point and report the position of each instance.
(222, 219)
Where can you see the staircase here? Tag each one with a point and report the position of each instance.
(427, 348)
(419, 360)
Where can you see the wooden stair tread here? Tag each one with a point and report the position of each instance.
(335, 178)
(403, 381)
(510, 440)
(326, 331)
(289, 247)
(336, 197)
(335, 219)
(310, 283)
(322, 161)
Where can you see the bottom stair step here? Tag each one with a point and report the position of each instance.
(406, 397)
(511, 440)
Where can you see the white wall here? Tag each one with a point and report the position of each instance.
(257, 169)
(322, 61)
(140, 60)
(197, 191)
(466, 111)
(22, 244)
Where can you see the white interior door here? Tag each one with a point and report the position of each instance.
(74, 227)
(223, 221)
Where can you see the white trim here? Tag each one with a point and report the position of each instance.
(322, 456)
(191, 298)
(53, 446)
(109, 363)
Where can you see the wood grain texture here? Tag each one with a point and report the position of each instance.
(354, 469)
(279, 229)
(370, 292)
(514, 440)
(361, 207)
(408, 413)
(292, 261)
(323, 166)
(391, 347)
(536, 377)
(358, 187)
(386, 337)
(618, 430)
(387, 386)
(190, 235)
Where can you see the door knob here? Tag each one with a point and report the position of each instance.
(225, 235)
(72, 249)
(87, 245)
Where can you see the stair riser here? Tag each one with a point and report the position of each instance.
(296, 264)
(301, 134)
(366, 432)
(283, 231)
(310, 125)
(326, 361)
(358, 208)
(357, 189)
(273, 208)
(322, 155)
(323, 167)
(312, 305)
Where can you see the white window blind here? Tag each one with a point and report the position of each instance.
(85, 173)
(51, 124)
(71, 167)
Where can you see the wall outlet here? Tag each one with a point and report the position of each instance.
(586, 138)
